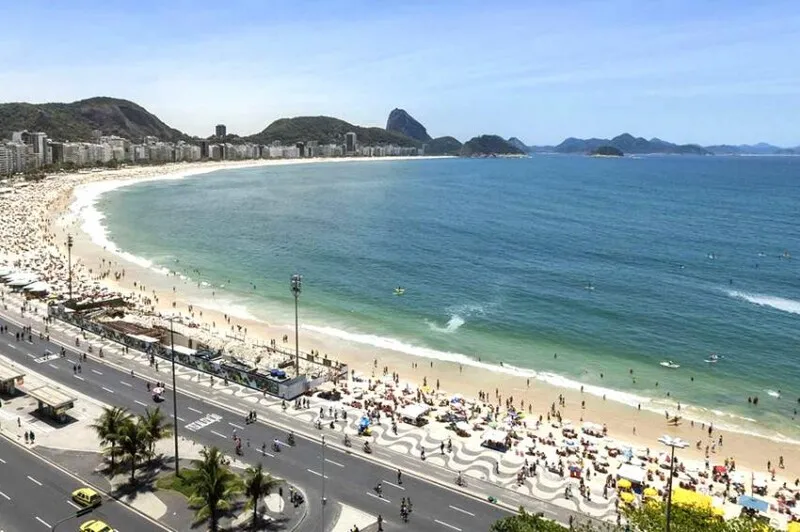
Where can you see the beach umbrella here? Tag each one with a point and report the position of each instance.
(627, 497)
(650, 492)
(624, 484)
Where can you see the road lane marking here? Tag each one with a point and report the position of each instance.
(379, 498)
(139, 402)
(5, 496)
(3, 461)
(196, 411)
(53, 366)
(448, 525)
(34, 480)
(73, 504)
(109, 391)
(129, 385)
(179, 418)
(457, 509)
(394, 485)
(78, 377)
(234, 425)
(334, 463)
(218, 434)
(98, 372)
(315, 473)
(45, 523)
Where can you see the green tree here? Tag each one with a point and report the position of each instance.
(213, 485)
(257, 485)
(526, 522)
(108, 428)
(653, 518)
(156, 428)
(133, 442)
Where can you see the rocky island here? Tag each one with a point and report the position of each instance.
(606, 151)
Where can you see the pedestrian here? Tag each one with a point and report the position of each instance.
(400, 476)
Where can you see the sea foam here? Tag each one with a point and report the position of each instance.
(779, 303)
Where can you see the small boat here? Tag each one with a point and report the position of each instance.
(589, 287)
(670, 364)
(399, 291)
(713, 358)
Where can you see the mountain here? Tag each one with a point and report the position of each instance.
(514, 141)
(628, 144)
(607, 151)
(489, 145)
(402, 122)
(326, 130)
(443, 146)
(762, 148)
(75, 121)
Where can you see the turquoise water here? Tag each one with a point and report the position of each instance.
(685, 255)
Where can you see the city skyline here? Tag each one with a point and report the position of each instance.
(696, 73)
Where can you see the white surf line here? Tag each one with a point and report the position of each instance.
(315, 473)
(457, 509)
(34, 480)
(129, 385)
(334, 463)
(393, 485)
(106, 389)
(447, 525)
(141, 403)
(98, 372)
(214, 432)
(196, 411)
(45, 523)
(6, 497)
(379, 498)
(234, 425)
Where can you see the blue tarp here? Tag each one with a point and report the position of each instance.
(363, 423)
(753, 503)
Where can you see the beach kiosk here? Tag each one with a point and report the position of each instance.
(633, 475)
(53, 402)
(10, 378)
(496, 439)
(414, 414)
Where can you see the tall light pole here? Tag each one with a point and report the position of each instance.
(323, 483)
(297, 285)
(671, 442)
(174, 396)
(69, 264)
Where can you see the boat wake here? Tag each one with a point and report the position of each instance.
(779, 303)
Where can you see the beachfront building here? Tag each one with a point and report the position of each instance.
(350, 143)
(221, 131)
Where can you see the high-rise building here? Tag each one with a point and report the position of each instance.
(350, 142)
(221, 131)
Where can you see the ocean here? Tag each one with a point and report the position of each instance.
(575, 270)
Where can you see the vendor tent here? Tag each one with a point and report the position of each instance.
(495, 435)
(632, 473)
(751, 503)
(414, 410)
(38, 286)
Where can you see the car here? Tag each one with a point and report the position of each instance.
(95, 525)
(86, 497)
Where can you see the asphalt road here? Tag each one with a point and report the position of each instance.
(350, 479)
(35, 496)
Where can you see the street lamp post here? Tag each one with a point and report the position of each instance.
(174, 396)
(671, 442)
(69, 265)
(323, 483)
(296, 284)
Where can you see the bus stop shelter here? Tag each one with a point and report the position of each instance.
(10, 378)
(52, 401)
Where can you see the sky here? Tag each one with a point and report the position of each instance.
(705, 72)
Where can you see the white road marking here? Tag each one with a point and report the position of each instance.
(179, 418)
(234, 425)
(196, 411)
(5, 496)
(78, 377)
(379, 498)
(53, 366)
(218, 434)
(334, 463)
(34, 480)
(394, 485)
(98, 372)
(448, 525)
(457, 509)
(73, 504)
(45, 523)
(3, 461)
(139, 402)
(129, 385)
(315, 473)
(106, 389)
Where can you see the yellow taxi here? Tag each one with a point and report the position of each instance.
(95, 525)
(86, 497)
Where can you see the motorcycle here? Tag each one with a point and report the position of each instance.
(276, 447)
(291, 439)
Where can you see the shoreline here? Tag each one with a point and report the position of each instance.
(749, 450)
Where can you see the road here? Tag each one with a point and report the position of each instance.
(35, 496)
(350, 478)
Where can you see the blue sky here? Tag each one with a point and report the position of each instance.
(685, 71)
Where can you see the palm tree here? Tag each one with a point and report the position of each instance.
(214, 486)
(257, 485)
(108, 427)
(155, 426)
(133, 442)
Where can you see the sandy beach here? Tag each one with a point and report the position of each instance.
(37, 217)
